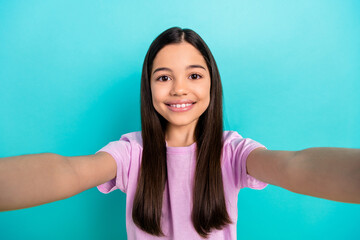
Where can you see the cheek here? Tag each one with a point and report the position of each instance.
(155, 95)
(157, 98)
(204, 92)
(159, 93)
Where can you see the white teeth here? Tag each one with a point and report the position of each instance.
(181, 105)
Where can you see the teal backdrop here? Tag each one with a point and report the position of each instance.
(70, 83)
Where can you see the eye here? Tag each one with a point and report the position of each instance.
(197, 76)
(161, 78)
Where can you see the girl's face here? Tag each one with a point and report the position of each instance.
(179, 76)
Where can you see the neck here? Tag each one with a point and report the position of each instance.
(180, 136)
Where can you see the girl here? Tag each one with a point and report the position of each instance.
(181, 173)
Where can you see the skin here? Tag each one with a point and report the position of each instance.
(179, 83)
(330, 173)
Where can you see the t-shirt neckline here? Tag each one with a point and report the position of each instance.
(185, 149)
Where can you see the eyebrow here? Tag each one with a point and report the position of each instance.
(188, 67)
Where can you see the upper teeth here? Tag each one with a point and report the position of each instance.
(181, 105)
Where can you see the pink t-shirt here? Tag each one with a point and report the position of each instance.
(177, 204)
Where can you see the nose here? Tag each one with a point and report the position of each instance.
(179, 87)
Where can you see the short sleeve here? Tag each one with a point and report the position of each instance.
(241, 148)
(121, 152)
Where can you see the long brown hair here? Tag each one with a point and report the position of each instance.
(209, 208)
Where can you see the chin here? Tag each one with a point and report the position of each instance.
(181, 123)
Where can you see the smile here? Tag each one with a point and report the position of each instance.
(180, 107)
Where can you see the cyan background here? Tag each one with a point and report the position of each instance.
(70, 83)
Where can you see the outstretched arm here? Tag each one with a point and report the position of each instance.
(324, 172)
(34, 179)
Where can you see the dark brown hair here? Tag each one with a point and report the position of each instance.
(209, 208)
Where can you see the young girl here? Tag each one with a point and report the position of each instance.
(181, 173)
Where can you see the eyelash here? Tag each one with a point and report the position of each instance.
(199, 76)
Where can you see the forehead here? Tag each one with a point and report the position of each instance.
(178, 55)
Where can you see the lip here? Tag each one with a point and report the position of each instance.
(180, 102)
(184, 109)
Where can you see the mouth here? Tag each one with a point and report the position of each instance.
(180, 107)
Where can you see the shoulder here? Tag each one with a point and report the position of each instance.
(235, 145)
(134, 138)
(127, 144)
(230, 135)
(231, 139)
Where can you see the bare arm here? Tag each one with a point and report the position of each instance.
(327, 172)
(35, 179)
(330, 173)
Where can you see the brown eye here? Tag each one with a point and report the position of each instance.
(195, 76)
(161, 78)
